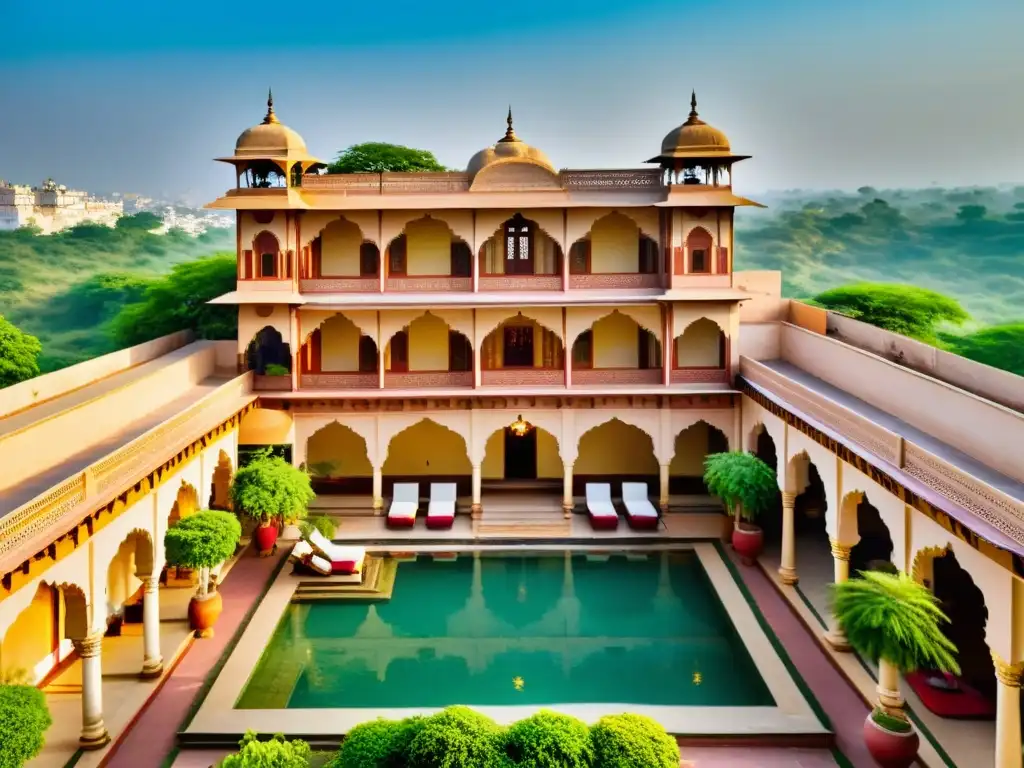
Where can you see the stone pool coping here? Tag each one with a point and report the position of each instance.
(217, 721)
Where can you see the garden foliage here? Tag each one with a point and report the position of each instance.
(277, 752)
(24, 719)
(549, 740)
(744, 483)
(633, 741)
(268, 486)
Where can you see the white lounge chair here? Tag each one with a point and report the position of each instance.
(342, 559)
(640, 513)
(305, 557)
(441, 510)
(603, 516)
(405, 502)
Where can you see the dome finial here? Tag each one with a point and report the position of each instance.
(693, 103)
(271, 117)
(510, 134)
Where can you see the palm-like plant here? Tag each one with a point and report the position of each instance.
(745, 484)
(893, 620)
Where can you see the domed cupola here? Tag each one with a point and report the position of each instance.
(511, 152)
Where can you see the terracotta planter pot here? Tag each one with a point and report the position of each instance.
(890, 748)
(748, 541)
(266, 539)
(203, 613)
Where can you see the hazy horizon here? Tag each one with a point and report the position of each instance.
(826, 97)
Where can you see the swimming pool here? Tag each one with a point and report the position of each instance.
(493, 629)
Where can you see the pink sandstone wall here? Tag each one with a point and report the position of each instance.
(50, 385)
(991, 433)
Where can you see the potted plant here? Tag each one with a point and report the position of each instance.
(273, 492)
(203, 541)
(891, 619)
(747, 486)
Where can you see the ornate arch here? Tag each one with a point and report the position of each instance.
(579, 320)
(920, 568)
(490, 323)
(364, 320)
(186, 502)
(365, 427)
(458, 320)
(395, 224)
(487, 423)
(580, 222)
(390, 428)
(313, 224)
(489, 223)
(588, 421)
(680, 332)
(223, 472)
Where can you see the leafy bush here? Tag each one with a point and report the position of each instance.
(633, 741)
(268, 486)
(322, 523)
(456, 737)
(745, 484)
(19, 354)
(278, 752)
(24, 719)
(894, 619)
(903, 309)
(549, 740)
(202, 541)
(276, 369)
(378, 744)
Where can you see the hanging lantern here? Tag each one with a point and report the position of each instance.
(520, 427)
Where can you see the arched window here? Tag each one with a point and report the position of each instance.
(396, 256)
(400, 352)
(583, 350)
(367, 355)
(698, 248)
(369, 257)
(648, 257)
(267, 248)
(461, 259)
(460, 353)
(579, 257)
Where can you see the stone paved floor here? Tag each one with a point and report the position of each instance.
(152, 737)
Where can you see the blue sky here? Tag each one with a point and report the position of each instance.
(140, 96)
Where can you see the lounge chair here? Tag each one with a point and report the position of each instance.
(603, 516)
(306, 559)
(344, 560)
(441, 510)
(405, 501)
(640, 513)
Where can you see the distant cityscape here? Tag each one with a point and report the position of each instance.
(53, 207)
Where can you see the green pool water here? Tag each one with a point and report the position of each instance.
(515, 629)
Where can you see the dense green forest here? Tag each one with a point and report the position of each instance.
(91, 289)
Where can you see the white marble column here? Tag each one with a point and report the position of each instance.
(1008, 749)
(152, 661)
(835, 636)
(94, 732)
(378, 490)
(787, 568)
(663, 487)
(888, 688)
(568, 502)
(477, 507)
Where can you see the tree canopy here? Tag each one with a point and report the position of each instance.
(178, 301)
(1001, 346)
(268, 486)
(744, 483)
(19, 354)
(376, 157)
(904, 309)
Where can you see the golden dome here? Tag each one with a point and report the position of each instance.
(695, 138)
(508, 150)
(270, 138)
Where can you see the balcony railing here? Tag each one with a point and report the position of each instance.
(427, 379)
(340, 284)
(638, 376)
(699, 376)
(625, 280)
(339, 380)
(429, 284)
(511, 377)
(520, 282)
(425, 183)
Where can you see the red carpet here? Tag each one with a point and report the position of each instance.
(964, 703)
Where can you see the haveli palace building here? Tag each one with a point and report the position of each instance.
(521, 330)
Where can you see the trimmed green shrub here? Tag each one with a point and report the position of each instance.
(278, 752)
(745, 484)
(268, 486)
(323, 523)
(456, 737)
(24, 719)
(275, 369)
(633, 741)
(549, 740)
(202, 540)
(377, 744)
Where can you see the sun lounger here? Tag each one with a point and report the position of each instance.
(405, 501)
(343, 559)
(307, 560)
(603, 516)
(441, 510)
(640, 513)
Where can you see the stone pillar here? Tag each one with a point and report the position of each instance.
(94, 733)
(1008, 750)
(477, 509)
(663, 487)
(835, 636)
(568, 502)
(889, 697)
(787, 568)
(378, 490)
(152, 661)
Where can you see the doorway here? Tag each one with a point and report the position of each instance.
(517, 350)
(520, 455)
